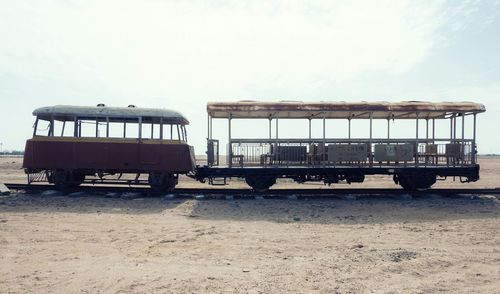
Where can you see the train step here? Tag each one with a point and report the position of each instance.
(218, 181)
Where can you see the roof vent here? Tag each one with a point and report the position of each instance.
(101, 105)
(131, 106)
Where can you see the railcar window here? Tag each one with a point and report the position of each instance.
(146, 130)
(155, 131)
(132, 130)
(64, 128)
(167, 132)
(58, 128)
(178, 132)
(115, 129)
(87, 128)
(184, 133)
(42, 128)
(101, 129)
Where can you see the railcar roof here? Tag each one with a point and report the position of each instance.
(341, 109)
(115, 114)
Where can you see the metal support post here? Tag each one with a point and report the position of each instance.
(107, 127)
(433, 130)
(75, 127)
(229, 146)
(324, 140)
(462, 147)
(474, 149)
(140, 127)
(161, 128)
(51, 127)
(211, 127)
(63, 127)
(388, 129)
(208, 126)
(349, 129)
(426, 130)
(35, 127)
(371, 137)
(463, 127)
(454, 127)
(97, 128)
(276, 129)
(416, 142)
(309, 128)
(270, 129)
(275, 151)
(451, 128)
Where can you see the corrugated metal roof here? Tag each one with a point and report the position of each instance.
(69, 112)
(341, 109)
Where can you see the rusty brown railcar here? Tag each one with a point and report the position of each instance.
(72, 143)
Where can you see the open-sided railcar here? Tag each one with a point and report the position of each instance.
(414, 162)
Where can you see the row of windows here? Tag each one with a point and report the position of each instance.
(97, 129)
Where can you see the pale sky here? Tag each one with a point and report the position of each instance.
(181, 54)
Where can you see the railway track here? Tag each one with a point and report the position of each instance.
(186, 192)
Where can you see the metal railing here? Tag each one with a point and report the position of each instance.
(343, 152)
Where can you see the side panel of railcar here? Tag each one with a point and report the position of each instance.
(128, 155)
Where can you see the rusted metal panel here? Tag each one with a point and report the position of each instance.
(290, 153)
(69, 112)
(392, 152)
(109, 156)
(431, 149)
(454, 150)
(339, 109)
(347, 152)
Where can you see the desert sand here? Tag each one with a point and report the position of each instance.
(94, 244)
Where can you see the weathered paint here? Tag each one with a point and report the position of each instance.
(107, 155)
(69, 112)
(339, 109)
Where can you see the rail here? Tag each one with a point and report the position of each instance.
(247, 192)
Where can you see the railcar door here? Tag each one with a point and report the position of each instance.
(213, 152)
(149, 154)
(90, 153)
(123, 155)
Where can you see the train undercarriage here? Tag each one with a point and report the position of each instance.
(67, 179)
(409, 178)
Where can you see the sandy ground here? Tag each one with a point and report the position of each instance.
(93, 244)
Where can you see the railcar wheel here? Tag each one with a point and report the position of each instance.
(77, 179)
(61, 180)
(415, 182)
(260, 183)
(162, 182)
(65, 179)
